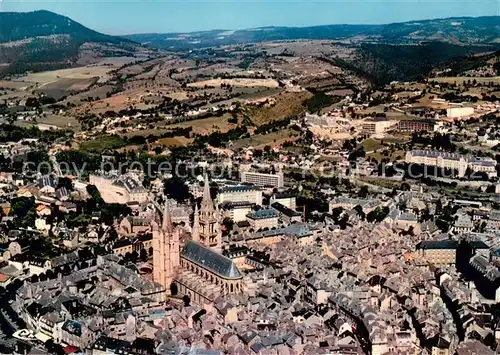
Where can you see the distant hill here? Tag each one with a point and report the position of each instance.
(460, 30)
(43, 40)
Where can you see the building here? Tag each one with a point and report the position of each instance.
(262, 179)
(374, 126)
(265, 218)
(237, 211)
(457, 112)
(166, 250)
(417, 125)
(124, 189)
(47, 184)
(125, 246)
(452, 161)
(133, 225)
(206, 228)
(288, 200)
(348, 203)
(196, 270)
(438, 252)
(287, 215)
(241, 193)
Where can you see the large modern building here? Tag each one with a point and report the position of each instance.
(119, 189)
(262, 179)
(241, 193)
(417, 125)
(378, 126)
(453, 161)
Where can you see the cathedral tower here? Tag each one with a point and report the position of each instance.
(166, 250)
(209, 231)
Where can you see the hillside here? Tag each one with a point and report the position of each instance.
(383, 63)
(463, 30)
(42, 40)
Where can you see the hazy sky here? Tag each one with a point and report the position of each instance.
(141, 16)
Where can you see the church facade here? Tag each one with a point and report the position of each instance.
(195, 269)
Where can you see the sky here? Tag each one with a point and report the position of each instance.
(162, 16)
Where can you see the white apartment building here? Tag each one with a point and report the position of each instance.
(452, 161)
(240, 193)
(262, 179)
(378, 126)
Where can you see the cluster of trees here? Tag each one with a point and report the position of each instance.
(217, 139)
(438, 141)
(318, 101)
(11, 133)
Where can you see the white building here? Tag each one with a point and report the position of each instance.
(240, 193)
(237, 211)
(287, 200)
(452, 161)
(262, 179)
(378, 126)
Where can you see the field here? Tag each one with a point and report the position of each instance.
(87, 72)
(287, 104)
(239, 82)
(103, 143)
(63, 87)
(63, 122)
(209, 125)
(371, 144)
(175, 141)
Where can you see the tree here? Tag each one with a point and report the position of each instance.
(359, 211)
(336, 212)
(363, 191)
(176, 189)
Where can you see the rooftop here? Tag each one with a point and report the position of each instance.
(210, 260)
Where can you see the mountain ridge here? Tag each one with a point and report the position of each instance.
(43, 40)
(458, 30)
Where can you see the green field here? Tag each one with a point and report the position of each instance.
(103, 143)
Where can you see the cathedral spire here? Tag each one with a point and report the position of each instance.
(196, 224)
(167, 221)
(206, 203)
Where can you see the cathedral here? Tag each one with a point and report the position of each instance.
(195, 269)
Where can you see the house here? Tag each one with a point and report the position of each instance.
(43, 210)
(46, 184)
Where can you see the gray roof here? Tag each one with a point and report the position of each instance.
(210, 260)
